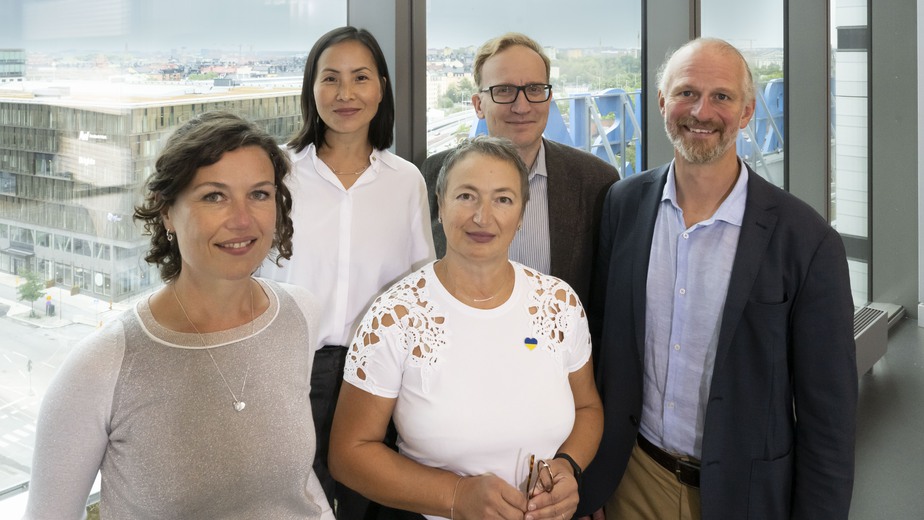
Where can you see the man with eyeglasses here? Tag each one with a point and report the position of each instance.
(566, 185)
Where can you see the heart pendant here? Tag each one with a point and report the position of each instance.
(239, 405)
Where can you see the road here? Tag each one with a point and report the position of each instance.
(24, 346)
(441, 134)
(80, 308)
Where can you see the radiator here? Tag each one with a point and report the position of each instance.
(871, 333)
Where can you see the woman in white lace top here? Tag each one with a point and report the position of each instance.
(483, 363)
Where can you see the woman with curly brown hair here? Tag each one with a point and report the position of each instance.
(195, 404)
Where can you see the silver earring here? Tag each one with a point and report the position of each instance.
(439, 219)
(169, 236)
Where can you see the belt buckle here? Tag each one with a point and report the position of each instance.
(692, 470)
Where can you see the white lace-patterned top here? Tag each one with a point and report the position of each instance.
(477, 390)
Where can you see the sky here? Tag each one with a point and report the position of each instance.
(293, 25)
(590, 23)
(288, 25)
(571, 23)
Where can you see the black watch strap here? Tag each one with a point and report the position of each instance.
(574, 465)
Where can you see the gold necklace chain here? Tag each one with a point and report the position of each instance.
(365, 167)
(357, 172)
(500, 289)
(238, 404)
(489, 298)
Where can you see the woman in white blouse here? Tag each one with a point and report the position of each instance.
(484, 365)
(360, 212)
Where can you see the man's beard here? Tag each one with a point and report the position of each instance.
(696, 151)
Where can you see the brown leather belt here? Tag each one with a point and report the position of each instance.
(687, 470)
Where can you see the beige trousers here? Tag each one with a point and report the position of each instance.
(650, 492)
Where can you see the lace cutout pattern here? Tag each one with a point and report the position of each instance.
(407, 315)
(553, 309)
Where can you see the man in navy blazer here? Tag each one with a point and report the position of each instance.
(724, 317)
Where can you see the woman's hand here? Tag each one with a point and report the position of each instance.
(562, 501)
(488, 496)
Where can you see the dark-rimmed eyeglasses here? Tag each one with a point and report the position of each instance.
(506, 94)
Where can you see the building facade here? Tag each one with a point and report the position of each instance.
(12, 65)
(71, 172)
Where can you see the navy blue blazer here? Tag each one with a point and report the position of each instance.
(778, 437)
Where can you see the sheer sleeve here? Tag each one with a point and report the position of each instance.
(402, 328)
(559, 320)
(73, 427)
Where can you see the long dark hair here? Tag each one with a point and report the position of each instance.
(381, 129)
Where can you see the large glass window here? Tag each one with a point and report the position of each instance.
(850, 158)
(596, 72)
(100, 84)
(755, 27)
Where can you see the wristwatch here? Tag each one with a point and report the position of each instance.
(574, 466)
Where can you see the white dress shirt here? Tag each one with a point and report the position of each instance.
(531, 246)
(351, 244)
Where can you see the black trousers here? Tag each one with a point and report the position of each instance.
(326, 379)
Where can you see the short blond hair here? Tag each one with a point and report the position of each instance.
(502, 42)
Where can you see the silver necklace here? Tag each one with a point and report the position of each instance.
(238, 404)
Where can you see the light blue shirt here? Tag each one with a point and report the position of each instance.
(531, 246)
(687, 284)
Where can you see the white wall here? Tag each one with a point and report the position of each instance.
(920, 41)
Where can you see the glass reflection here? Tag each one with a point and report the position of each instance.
(756, 29)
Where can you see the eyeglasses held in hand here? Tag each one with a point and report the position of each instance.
(543, 480)
(506, 94)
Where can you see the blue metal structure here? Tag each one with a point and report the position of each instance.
(765, 132)
(587, 126)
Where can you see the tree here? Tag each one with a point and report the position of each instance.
(466, 89)
(30, 289)
(768, 72)
(601, 72)
(461, 91)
